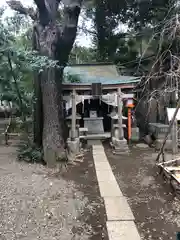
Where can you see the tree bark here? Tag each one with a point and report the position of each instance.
(101, 36)
(37, 103)
(37, 112)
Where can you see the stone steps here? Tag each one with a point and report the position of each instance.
(101, 136)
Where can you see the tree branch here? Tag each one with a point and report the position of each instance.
(70, 21)
(52, 7)
(17, 6)
(86, 31)
(43, 12)
(40, 5)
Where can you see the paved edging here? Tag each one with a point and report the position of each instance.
(120, 219)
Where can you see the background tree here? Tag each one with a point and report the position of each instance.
(17, 63)
(143, 21)
(82, 55)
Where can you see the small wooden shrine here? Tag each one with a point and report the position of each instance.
(90, 101)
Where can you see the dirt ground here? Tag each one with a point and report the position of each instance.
(156, 210)
(37, 203)
(93, 215)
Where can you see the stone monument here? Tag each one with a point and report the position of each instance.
(119, 143)
(73, 143)
(94, 124)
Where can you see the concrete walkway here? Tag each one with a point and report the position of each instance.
(120, 219)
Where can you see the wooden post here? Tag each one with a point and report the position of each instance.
(119, 103)
(73, 121)
(169, 130)
(174, 137)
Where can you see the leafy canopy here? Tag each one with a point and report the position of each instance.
(18, 62)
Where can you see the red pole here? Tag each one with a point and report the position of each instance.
(129, 123)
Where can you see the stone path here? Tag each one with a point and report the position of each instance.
(120, 219)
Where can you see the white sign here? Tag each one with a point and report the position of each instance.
(170, 113)
(127, 95)
(129, 102)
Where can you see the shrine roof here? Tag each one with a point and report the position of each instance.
(106, 74)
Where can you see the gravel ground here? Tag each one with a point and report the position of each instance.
(37, 203)
(94, 212)
(156, 210)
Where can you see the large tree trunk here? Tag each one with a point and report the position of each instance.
(52, 114)
(37, 112)
(37, 103)
(101, 37)
(54, 128)
(50, 89)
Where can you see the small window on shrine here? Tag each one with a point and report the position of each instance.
(96, 89)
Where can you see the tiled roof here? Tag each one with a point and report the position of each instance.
(105, 74)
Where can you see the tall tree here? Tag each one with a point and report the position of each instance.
(55, 40)
(142, 19)
(105, 15)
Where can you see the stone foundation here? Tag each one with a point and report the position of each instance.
(73, 148)
(94, 125)
(168, 145)
(119, 146)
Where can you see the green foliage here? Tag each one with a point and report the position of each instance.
(144, 22)
(17, 64)
(80, 55)
(71, 78)
(17, 24)
(30, 153)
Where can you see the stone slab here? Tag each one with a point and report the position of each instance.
(122, 230)
(97, 145)
(99, 165)
(96, 136)
(105, 175)
(98, 150)
(73, 146)
(110, 189)
(120, 144)
(94, 125)
(159, 142)
(118, 209)
(99, 155)
(100, 158)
